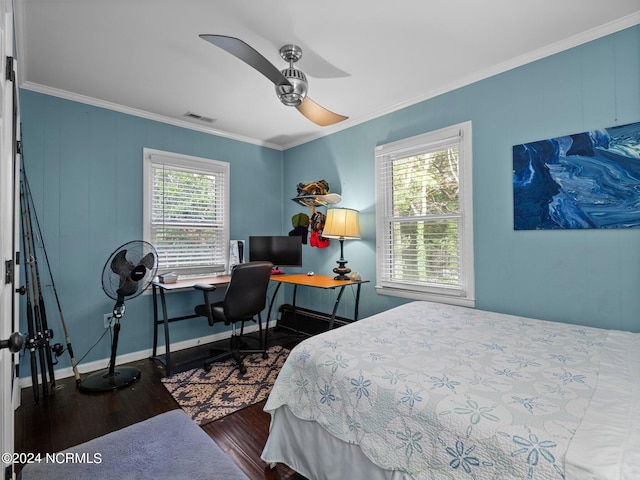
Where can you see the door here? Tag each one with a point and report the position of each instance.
(9, 393)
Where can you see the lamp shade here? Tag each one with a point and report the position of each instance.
(342, 223)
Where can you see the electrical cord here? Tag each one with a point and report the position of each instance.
(23, 351)
(95, 344)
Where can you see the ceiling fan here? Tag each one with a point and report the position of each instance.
(291, 83)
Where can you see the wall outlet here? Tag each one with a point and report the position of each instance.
(108, 320)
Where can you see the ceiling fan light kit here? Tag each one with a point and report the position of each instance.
(291, 83)
(292, 95)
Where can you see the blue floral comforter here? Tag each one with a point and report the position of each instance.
(441, 391)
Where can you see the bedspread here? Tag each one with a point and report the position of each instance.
(442, 391)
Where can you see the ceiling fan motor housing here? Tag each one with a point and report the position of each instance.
(291, 83)
(293, 95)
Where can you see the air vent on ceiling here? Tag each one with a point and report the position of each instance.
(195, 116)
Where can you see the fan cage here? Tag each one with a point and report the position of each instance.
(135, 251)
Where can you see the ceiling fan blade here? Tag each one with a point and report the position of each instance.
(249, 55)
(318, 114)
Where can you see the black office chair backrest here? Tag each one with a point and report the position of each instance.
(246, 294)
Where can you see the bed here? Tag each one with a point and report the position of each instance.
(431, 391)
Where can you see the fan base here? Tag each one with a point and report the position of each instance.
(103, 381)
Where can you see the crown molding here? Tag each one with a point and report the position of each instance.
(566, 44)
(35, 87)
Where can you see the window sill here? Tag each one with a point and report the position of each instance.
(430, 297)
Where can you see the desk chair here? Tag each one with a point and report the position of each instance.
(245, 298)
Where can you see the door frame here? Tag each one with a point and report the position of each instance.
(9, 207)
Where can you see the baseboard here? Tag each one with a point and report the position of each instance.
(86, 368)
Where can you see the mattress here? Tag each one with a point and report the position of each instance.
(430, 391)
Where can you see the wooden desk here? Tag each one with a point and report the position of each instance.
(317, 281)
(220, 280)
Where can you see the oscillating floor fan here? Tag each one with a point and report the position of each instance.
(126, 274)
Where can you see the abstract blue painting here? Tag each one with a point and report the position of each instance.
(585, 180)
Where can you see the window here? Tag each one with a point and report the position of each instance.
(424, 217)
(186, 212)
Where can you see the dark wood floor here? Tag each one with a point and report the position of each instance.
(67, 417)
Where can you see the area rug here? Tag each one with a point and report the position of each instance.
(208, 396)
(164, 447)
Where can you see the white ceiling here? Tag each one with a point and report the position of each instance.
(363, 58)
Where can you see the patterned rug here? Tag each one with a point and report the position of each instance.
(207, 396)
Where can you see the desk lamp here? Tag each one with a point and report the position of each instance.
(343, 224)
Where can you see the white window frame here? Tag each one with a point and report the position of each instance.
(463, 293)
(203, 166)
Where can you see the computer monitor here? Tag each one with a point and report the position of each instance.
(282, 251)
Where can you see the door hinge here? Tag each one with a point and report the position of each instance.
(9, 271)
(10, 74)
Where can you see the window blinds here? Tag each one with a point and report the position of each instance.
(188, 216)
(420, 233)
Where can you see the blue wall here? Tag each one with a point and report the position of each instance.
(589, 277)
(85, 168)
